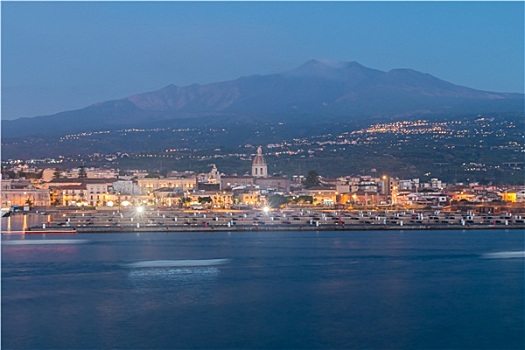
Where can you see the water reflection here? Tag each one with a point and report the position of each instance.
(18, 222)
(45, 242)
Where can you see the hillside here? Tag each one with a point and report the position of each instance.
(317, 90)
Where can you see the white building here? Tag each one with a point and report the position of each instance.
(259, 166)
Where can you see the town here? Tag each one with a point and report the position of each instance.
(110, 190)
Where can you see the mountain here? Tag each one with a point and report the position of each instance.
(316, 90)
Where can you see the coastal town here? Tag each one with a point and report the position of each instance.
(101, 199)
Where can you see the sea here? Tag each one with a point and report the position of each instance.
(265, 290)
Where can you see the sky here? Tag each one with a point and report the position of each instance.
(59, 56)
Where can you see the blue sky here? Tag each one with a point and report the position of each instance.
(59, 56)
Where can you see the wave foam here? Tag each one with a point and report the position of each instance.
(505, 255)
(177, 263)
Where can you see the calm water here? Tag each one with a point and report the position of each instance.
(279, 290)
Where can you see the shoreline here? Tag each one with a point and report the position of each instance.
(258, 228)
(252, 221)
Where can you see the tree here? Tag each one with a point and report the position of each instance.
(57, 174)
(81, 194)
(82, 172)
(305, 199)
(205, 200)
(311, 180)
(276, 200)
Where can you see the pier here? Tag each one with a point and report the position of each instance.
(257, 220)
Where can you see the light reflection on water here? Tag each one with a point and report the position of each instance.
(186, 275)
(44, 242)
(19, 222)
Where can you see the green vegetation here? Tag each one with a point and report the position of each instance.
(311, 180)
(205, 200)
(455, 149)
(82, 172)
(301, 199)
(277, 200)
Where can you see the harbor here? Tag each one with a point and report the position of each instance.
(143, 220)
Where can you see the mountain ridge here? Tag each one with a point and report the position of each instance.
(316, 89)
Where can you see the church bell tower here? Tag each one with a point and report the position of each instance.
(259, 167)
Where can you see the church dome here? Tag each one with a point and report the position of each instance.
(259, 158)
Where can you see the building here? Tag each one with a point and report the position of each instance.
(229, 182)
(259, 166)
(213, 177)
(280, 184)
(21, 193)
(210, 199)
(126, 187)
(92, 192)
(259, 177)
(70, 195)
(325, 196)
(168, 197)
(184, 182)
(99, 192)
(520, 196)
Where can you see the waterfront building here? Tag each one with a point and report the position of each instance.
(24, 197)
(185, 182)
(365, 198)
(168, 197)
(98, 192)
(250, 196)
(92, 192)
(322, 195)
(15, 194)
(69, 195)
(210, 199)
